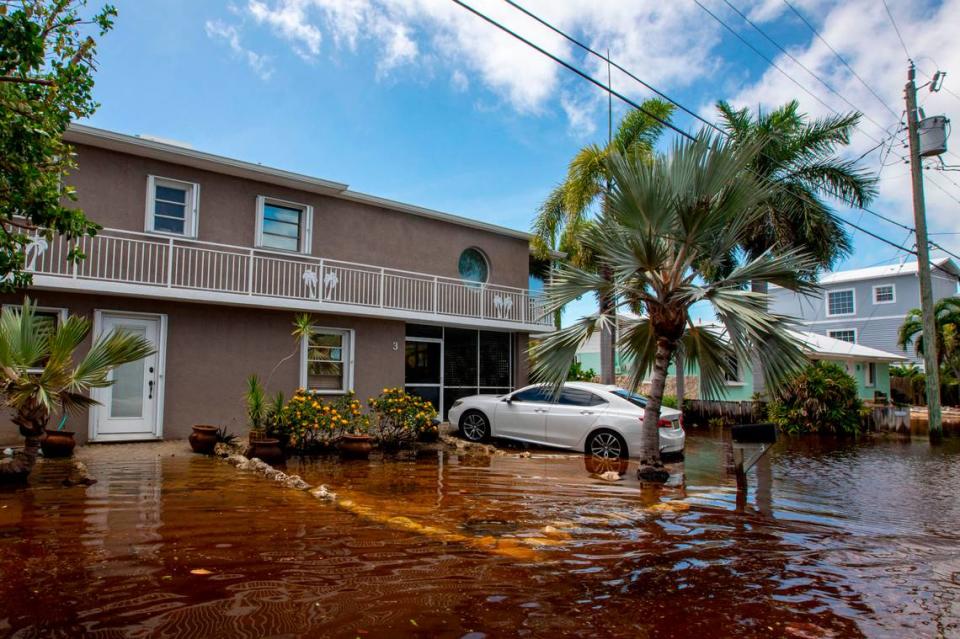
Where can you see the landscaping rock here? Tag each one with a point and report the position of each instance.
(236, 460)
(221, 449)
(79, 476)
(296, 482)
(322, 492)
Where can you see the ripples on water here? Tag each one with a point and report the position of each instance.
(835, 539)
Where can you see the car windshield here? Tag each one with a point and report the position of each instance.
(633, 398)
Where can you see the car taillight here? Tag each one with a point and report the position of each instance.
(664, 423)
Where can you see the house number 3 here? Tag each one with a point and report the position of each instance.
(396, 346)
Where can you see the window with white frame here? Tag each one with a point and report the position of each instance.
(172, 206)
(733, 377)
(327, 365)
(870, 374)
(844, 335)
(48, 318)
(884, 294)
(285, 226)
(841, 302)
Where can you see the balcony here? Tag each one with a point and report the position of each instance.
(129, 263)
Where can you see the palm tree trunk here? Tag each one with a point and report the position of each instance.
(681, 380)
(31, 420)
(608, 345)
(651, 468)
(758, 286)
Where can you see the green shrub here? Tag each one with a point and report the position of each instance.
(670, 401)
(578, 374)
(315, 423)
(399, 417)
(822, 398)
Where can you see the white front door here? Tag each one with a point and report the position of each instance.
(130, 408)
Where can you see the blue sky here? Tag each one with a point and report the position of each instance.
(419, 101)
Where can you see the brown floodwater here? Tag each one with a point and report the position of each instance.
(834, 539)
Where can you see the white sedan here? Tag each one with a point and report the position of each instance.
(600, 420)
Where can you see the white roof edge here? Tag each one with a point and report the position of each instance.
(883, 272)
(151, 147)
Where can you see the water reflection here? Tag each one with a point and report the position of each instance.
(831, 539)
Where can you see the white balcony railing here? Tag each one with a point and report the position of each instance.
(159, 262)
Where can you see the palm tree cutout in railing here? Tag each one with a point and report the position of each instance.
(502, 305)
(310, 281)
(36, 247)
(330, 281)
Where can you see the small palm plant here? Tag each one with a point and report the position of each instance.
(671, 237)
(38, 377)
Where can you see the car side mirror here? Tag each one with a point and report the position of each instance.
(508, 399)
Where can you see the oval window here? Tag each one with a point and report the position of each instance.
(473, 266)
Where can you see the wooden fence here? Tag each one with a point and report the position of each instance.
(701, 411)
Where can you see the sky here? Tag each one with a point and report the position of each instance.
(423, 102)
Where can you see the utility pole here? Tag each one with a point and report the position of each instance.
(923, 258)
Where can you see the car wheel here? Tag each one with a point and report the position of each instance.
(606, 444)
(474, 426)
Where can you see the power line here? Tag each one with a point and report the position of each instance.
(896, 28)
(640, 108)
(803, 66)
(842, 60)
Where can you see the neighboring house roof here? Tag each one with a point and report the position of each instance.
(178, 153)
(886, 271)
(816, 345)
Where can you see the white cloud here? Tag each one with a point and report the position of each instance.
(289, 19)
(861, 32)
(459, 81)
(260, 64)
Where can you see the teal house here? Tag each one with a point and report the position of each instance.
(870, 367)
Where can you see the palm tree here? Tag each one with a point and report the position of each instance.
(566, 213)
(38, 377)
(798, 157)
(946, 314)
(668, 235)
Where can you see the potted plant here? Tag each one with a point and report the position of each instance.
(261, 446)
(59, 442)
(203, 439)
(355, 441)
(38, 376)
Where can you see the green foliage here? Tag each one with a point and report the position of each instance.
(37, 371)
(673, 224)
(47, 53)
(947, 327)
(256, 403)
(578, 374)
(399, 418)
(225, 437)
(823, 398)
(315, 424)
(670, 401)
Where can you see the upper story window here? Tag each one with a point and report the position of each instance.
(172, 206)
(473, 266)
(844, 335)
(884, 294)
(841, 302)
(285, 226)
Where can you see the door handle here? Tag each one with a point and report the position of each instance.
(150, 386)
(586, 412)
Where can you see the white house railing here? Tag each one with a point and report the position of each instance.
(127, 257)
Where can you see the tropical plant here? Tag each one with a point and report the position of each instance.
(670, 225)
(38, 377)
(568, 209)
(670, 401)
(916, 382)
(47, 53)
(225, 437)
(797, 157)
(578, 373)
(302, 329)
(399, 417)
(946, 314)
(317, 424)
(821, 398)
(256, 403)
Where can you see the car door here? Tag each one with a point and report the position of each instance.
(524, 416)
(572, 417)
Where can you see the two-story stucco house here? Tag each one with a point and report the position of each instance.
(866, 306)
(210, 258)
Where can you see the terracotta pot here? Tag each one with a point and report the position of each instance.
(266, 449)
(203, 439)
(356, 446)
(428, 436)
(57, 443)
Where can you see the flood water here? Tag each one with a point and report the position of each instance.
(833, 540)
